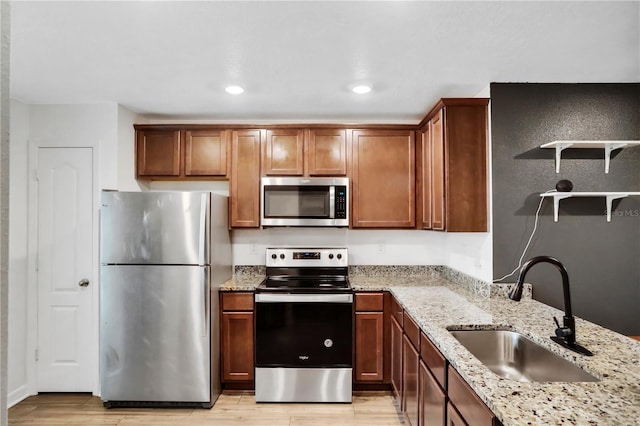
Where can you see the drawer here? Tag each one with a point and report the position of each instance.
(396, 310)
(436, 363)
(237, 301)
(369, 302)
(467, 402)
(412, 331)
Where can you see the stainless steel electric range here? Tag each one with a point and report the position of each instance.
(304, 327)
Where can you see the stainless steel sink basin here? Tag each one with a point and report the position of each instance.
(513, 356)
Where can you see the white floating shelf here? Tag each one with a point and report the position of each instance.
(608, 146)
(610, 196)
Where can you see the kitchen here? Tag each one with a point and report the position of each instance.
(515, 156)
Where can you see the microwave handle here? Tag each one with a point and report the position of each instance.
(332, 202)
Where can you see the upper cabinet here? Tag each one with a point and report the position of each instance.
(158, 153)
(181, 154)
(244, 183)
(452, 177)
(283, 152)
(383, 179)
(304, 152)
(206, 152)
(327, 152)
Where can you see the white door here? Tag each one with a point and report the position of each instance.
(65, 265)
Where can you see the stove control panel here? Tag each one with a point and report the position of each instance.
(306, 257)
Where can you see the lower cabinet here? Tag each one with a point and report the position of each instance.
(369, 337)
(433, 400)
(236, 337)
(396, 360)
(471, 409)
(428, 391)
(411, 362)
(453, 417)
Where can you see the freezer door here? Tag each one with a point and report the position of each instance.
(155, 328)
(155, 228)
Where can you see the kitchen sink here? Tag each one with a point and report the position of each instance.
(513, 356)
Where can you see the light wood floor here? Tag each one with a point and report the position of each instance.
(368, 408)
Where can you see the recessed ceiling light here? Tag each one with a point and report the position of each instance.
(234, 90)
(361, 89)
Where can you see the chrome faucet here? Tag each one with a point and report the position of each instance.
(565, 335)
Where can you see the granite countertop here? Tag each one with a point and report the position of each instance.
(436, 303)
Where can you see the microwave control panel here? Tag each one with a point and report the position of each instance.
(341, 202)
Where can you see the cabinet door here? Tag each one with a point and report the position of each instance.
(158, 153)
(468, 404)
(244, 188)
(396, 360)
(410, 365)
(453, 417)
(438, 193)
(283, 153)
(206, 152)
(465, 133)
(369, 346)
(383, 179)
(327, 152)
(236, 333)
(433, 402)
(423, 173)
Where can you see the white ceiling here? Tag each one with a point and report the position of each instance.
(298, 60)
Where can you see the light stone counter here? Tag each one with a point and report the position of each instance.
(615, 400)
(436, 303)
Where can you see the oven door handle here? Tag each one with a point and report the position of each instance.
(303, 298)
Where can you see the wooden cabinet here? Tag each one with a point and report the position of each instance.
(396, 360)
(283, 152)
(158, 153)
(410, 362)
(470, 408)
(437, 192)
(433, 384)
(432, 400)
(383, 179)
(236, 336)
(453, 416)
(423, 177)
(369, 337)
(327, 152)
(452, 177)
(244, 184)
(206, 152)
(305, 152)
(181, 153)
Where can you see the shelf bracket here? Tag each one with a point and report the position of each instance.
(607, 153)
(610, 199)
(556, 204)
(559, 148)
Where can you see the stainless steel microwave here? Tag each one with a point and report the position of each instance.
(295, 201)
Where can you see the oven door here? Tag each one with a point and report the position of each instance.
(304, 330)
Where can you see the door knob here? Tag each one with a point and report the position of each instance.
(83, 282)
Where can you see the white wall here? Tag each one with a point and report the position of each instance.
(126, 152)
(17, 357)
(467, 252)
(97, 126)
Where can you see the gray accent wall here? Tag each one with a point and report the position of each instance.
(603, 259)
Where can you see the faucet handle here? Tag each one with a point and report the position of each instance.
(562, 331)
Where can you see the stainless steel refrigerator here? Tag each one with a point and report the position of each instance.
(163, 257)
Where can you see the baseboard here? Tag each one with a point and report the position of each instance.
(17, 395)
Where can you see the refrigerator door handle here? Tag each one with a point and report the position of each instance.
(203, 230)
(207, 302)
